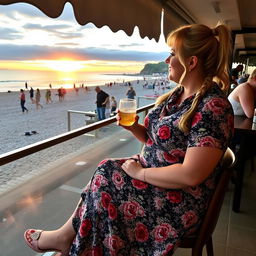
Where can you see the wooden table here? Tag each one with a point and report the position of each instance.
(245, 131)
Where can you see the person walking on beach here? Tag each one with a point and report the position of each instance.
(38, 97)
(48, 97)
(31, 94)
(22, 101)
(131, 93)
(101, 100)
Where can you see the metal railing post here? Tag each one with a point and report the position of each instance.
(69, 128)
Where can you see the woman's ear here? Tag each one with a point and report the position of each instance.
(192, 62)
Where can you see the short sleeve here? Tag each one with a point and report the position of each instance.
(213, 124)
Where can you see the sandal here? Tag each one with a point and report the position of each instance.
(31, 237)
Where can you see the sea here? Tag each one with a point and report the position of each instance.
(14, 80)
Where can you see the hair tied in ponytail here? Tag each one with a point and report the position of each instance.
(215, 32)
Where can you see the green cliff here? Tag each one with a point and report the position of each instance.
(150, 68)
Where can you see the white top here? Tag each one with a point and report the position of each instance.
(237, 107)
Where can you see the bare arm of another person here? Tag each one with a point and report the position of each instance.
(106, 101)
(198, 164)
(246, 99)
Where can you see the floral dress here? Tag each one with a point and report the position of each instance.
(119, 215)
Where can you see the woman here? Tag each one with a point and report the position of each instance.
(38, 97)
(243, 97)
(144, 205)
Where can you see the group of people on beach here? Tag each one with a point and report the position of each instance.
(35, 100)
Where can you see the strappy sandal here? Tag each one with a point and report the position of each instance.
(31, 237)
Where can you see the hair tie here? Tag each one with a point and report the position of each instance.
(214, 31)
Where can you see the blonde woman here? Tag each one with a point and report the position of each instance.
(145, 204)
(243, 97)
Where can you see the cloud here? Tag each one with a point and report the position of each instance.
(56, 30)
(129, 45)
(9, 34)
(18, 52)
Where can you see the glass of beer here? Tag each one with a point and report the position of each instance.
(127, 111)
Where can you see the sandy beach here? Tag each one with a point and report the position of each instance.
(47, 122)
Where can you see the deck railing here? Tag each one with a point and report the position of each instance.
(38, 146)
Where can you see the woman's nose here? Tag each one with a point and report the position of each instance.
(167, 61)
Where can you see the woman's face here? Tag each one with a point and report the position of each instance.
(175, 67)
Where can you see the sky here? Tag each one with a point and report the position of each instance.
(29, 40)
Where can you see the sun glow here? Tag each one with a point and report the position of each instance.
(64, 65)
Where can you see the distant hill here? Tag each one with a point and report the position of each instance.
(150, 69)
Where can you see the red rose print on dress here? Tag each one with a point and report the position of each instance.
(112, 211)
(96, 251)
(189, 219)
(196, 119)
(139, 184)
(149, 142)
(196, 191)
(170, 158)
(81, 210)
(103, 162)
(168, 249)
(105, 199)
(98, 181)
(141, 232)
(118, 179)
(216, 105)
(131, 210)
(174, 155)
(174, 197)
(209, 141)
(146, 121)
(163, 231)
(85, 227)
(114, 243)
(158, 203)
(164, 132)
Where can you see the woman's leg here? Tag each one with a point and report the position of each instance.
(58, 239)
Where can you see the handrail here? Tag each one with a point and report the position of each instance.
(35, 147)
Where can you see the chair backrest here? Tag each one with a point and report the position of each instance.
(211, 218)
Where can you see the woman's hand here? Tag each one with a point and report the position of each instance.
(129, 128)
(134, 169)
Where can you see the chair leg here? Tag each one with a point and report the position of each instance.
(209, 247)
(197, 251)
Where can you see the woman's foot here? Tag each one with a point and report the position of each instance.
(31, 237)
(47, 241)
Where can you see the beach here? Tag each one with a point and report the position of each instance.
(47, 122)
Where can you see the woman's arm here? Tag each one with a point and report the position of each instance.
(246, 99)
(198, 164)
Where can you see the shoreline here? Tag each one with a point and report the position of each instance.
(91, 80)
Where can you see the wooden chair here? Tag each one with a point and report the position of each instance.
(204, 235)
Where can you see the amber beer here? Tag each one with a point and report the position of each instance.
(127, 112)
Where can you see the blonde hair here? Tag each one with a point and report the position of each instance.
(213, 48)
(253, 74)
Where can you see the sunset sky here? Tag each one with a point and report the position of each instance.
(29, 40)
